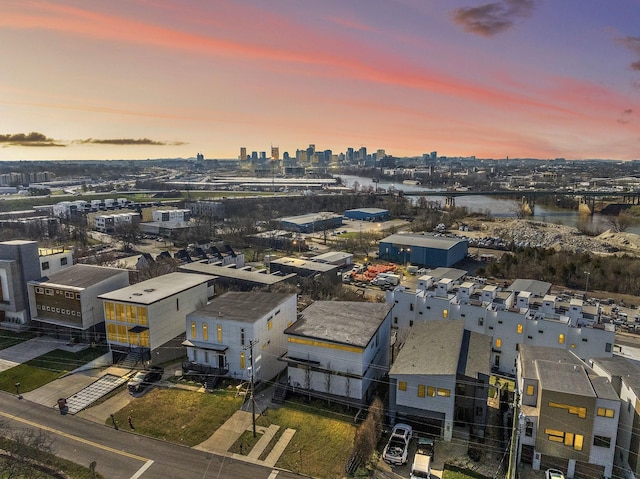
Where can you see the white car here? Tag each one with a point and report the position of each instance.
(397, 448)
(553, 474)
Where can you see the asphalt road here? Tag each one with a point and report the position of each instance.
(122, 454)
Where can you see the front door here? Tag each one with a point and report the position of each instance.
(221, 361)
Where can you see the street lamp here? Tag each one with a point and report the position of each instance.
(18, 391)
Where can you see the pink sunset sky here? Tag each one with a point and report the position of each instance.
(140, 79)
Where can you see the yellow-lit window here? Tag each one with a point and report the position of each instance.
(205, 332)
(242, 360)
(119, 312)
(445, 313)
(554, 435)
(194, 334)
(498, 342)
(289, 323)
(109, 311)
(444, 392)
(573, 346)
(561, 338)
(520, 328)
(530, 390)
(402, 385)
(578, 441)
(121, 333)
(269, 325)
(604, 412)
(142, 315)
(111, 332)
(219, 333)
(431, 391)
(131, 313)
(568, 439)
(144, 339)
(421, 390)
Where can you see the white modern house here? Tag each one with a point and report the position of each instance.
(111, 222)
(146, 321)
(441, 376)
(54, 259)
(339, 350)
(222, 335)
(511, 316)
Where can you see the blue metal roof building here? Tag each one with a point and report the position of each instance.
(367, 214)
(423, 250)
(311, 222)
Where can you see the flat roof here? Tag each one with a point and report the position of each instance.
(79, 276)
(232, 273)
(446, 273)
(246, 307)
(371, 211)
(619, 366)
(311, 217)
(539, 288)
(156, 289)
(432, 347)
(305, 264)
(330, 256)
(424, 241)
(564, 378)
(346, 322)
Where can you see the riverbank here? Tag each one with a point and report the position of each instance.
(530, 233)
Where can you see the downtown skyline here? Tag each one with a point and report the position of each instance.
(166, 79)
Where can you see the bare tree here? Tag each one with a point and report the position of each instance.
(620, 223)
(24, 449)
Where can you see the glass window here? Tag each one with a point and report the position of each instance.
(431, 391)
(205, 332)
(119, 312)
(421, 390)
(520, 328)
(604, 412)
(193, 330)
(111, 332)
(144, 339)
(561, 338)
(109, 311)
(444, 392)
(578, 441)
(121, 333)
(269, 324)
(530, 390)
(602, 441)
(498, 342)
(45, 266)
(242, 360)
(63, 261)
(220, 333)
(142, 315)
(402, 385)
(131, 313)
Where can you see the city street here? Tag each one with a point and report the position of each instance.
(123, 454)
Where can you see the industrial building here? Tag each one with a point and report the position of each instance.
(422, 250)
(311, 223)
(367, 214)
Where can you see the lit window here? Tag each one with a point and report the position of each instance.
(421, 390)
(242, 360)
(109, 311)
(205, 332)
(219, 333)
(444, 392)
(604, 412)
(402, 385)
(431, 391)
(520, 328)
(578, 441)
(142, 315)
(498, 342)
(561, 338)
(119, 312)
(111, 332)
(530, 390)
(131, 313)
(193, 330)
(573, 346)
(445, 313)
(269, 325)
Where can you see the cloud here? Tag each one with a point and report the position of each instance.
(492, 18)
(27, 139)
(633, 44)
(128, 141)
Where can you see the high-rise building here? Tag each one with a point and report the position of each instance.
(275, 153)
(243, 153)
(350, 155)
(362, 154)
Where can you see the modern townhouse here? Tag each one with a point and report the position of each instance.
(568, 416)
(440, 378)
(222, 336)
(339, 350)
(146, 321)
(65, 304)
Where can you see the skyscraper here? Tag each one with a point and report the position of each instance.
(275, 153)
(243, 153)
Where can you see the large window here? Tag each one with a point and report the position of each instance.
(242, 360)
(581, 412)
(421, 390)
(119, 312)
(131, 313)
(576, 441)
(193, 330)
(402, 385)
(205, 332)
(431, 391)
(602, 441)
(530, 390)
(444, 392)
(604, 412)
(142, 315)
(111, 332)
(220, 333)
(109, 311)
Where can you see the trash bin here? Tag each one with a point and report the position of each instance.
(62, 405)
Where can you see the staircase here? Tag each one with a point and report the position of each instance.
(211, 382)
(132, 359)
(280, 392)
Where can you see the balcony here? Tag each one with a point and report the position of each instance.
(191, 367)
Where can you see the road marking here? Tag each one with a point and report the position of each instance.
(71, 436)
(146, 466)
(273, 474)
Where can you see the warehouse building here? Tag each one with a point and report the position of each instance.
(367, 214)
(423, 250)
(311, 223)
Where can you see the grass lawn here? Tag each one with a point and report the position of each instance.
(46, 368)
(245, 443)
(456, 473)
(322, 442)
(183, 417)
(9, 338)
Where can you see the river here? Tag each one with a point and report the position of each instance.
(497, 206)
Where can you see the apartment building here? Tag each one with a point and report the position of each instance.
(54, 259)
(19, 263)
(110, 223)
(569, 414)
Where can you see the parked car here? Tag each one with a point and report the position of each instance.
(553, 474)
(426, 446)
(143, 379)
(397, 448)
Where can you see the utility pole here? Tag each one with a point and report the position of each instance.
(253, 402)
(511, 471)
